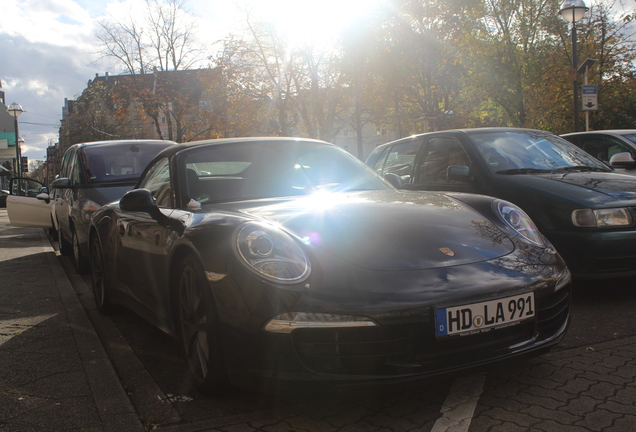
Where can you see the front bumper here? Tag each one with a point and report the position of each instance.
(403, 346)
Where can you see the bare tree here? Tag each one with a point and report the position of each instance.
(159, 43)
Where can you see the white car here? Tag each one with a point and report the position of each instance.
(29, 204)
(616, 147)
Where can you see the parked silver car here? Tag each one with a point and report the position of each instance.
(616, 147)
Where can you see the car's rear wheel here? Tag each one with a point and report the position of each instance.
(199, 328)
(81, 261)
(98, 277)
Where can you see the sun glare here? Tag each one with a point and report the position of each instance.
(317, 21)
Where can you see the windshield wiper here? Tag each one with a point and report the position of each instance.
(581, 168)
(131, 181)
(524, 171)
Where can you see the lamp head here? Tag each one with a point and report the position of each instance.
(573, 10)
(15, 109)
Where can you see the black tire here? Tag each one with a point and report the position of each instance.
(81, 260)
(198, 327)
(65, 245)
(101, 289)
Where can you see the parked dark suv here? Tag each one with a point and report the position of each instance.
(94, 174)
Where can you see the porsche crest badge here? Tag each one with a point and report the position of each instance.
(447, 251)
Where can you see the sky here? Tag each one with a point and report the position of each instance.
(49, 53)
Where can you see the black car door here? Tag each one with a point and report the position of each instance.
(143, 261)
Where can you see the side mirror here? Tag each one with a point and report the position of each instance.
(458, 173)
(622, 160)
(44, 197)
(395, 180)
(138, 200)
(61, 183)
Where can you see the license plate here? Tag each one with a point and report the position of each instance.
(484, 316)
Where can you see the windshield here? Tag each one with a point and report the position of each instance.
(273, 169)
(528, 151)
(111, 163)
(630, 136)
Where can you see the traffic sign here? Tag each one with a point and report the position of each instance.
(589, 98)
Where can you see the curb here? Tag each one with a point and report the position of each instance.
(115, 410)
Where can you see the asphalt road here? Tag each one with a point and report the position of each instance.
(602, 311)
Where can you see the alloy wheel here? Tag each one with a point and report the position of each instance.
(198, 328)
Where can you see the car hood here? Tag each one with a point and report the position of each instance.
(591, 188)
(389, 230)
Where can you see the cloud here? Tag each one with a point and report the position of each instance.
(38, 76)
(47, 56)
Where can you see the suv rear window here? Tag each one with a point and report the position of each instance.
(116, 163)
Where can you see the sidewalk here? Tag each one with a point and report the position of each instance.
(54, 373)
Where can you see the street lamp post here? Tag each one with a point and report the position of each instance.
(15, 110)
(573, 11)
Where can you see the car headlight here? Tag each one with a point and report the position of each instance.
(271, 253)
(88, 208)
(520, 222)
(285, 323)
(601, 218)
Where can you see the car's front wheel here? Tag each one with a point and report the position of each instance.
(198, 326)
(98, 277)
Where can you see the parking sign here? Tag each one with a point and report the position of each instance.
(589, 98)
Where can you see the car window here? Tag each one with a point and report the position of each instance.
(439, 154)
(531, 150)
(27, 187)
(603, 147)
(66, 163)
(117, 162)
(75, 170)
(270, 169)
(378, 166)
(630, 137)
(401, 159)
(157, 181)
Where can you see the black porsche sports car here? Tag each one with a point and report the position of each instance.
(289, 260)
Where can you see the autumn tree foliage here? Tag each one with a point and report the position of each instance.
(92, 117)
(414, 66)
